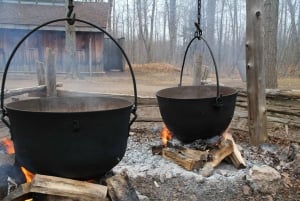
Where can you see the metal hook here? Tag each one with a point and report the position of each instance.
(70, 14)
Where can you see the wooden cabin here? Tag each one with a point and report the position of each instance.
(18, 19)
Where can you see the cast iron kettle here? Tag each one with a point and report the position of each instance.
(197, 112)
(71, 137)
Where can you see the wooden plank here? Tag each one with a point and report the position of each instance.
(257, 120)
(120, 189)
(197, 70)
(51, 73)
(20, 91)
(40, 72)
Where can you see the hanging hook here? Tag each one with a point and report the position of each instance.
(70, 13)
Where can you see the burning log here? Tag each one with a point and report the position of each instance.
(62, 187)
(120, 189)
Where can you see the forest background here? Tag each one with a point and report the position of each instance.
(158, 31)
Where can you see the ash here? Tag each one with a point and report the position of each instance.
(160, 179)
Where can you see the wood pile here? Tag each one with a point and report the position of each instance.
(191, 159)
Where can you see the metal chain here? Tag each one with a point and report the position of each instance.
(198, 32)
(199, 12)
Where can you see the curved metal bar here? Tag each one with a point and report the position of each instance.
(218, 100)
(3, 110)
(215, 64)
(186, 51)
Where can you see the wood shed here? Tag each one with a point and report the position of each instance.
(17, 19)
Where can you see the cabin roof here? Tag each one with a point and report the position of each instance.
(28, 16)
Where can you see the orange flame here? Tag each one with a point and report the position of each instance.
(165, 135)
(28, 175)
(9, 145)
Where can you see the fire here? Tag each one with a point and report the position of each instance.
(28, 175)
(165, 135)
(9, 145)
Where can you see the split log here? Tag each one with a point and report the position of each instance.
(62, 187)
(236, 156)
(187, 158)
(225, 149)
(120, 189)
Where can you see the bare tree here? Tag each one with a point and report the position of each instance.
(295, 45)
(270, 42)
(144, 34)
(172, 28)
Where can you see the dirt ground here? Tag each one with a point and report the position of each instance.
(158, 179)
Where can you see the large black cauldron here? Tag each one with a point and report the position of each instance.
(72, 137)
(197, 112)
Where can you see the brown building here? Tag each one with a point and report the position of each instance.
(18, 19)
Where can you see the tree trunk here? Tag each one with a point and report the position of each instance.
(221, 35)
(294, 36)
(172, 28)
(257, 118)
(270, 42)
(211, 11)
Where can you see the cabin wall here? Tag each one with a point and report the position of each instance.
(34, 49)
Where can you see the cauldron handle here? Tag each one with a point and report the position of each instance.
(219, 99)
(68, 19)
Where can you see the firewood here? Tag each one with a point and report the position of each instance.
(187, 158)
(20, 194)
(68, 188)
(236, 156)
(120, 189)
(224, 149)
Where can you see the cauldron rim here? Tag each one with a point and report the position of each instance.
(16, 106)
(167, 92)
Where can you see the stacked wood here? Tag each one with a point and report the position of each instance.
(191, 159)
